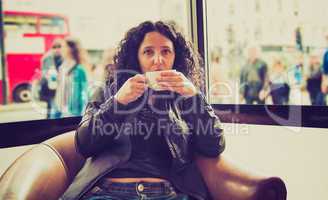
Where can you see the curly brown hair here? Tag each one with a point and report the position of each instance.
(187, 59)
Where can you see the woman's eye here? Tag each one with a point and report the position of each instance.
(166, 51)
(148, 52)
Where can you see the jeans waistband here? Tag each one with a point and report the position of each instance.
(147, 188)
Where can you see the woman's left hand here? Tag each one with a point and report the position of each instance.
(176, 82)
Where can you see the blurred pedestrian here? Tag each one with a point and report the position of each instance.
(50, 64)
(71, 96)
(314, 79)
(253, 77)
(220, 89)
(278, 81)
(324, 83)
(296, 79)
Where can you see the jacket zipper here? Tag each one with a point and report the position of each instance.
(171, 147)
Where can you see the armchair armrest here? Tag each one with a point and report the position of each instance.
(43, 172)
(226, 181)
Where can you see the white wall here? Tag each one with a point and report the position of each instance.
(296, 155)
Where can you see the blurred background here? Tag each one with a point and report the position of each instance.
(32, 30)
(267, 52)
(259, 52)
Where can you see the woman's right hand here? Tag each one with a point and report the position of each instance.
(132, 89)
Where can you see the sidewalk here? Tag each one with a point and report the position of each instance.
(22, 111)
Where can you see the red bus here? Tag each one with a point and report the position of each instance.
(27, 36)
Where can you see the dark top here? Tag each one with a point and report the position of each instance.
(150, 155)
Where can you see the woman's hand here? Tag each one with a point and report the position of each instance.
(176, 82)
(132, 89)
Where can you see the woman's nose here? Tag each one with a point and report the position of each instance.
(158, 59)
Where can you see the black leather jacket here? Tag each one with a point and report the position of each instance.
(103, 138)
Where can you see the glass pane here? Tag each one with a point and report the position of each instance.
(267, 52)
(19, 24)
(33, 71)
(52, 25)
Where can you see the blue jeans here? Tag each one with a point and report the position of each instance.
(134, 191)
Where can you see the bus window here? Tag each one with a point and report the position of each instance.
(20, 24)
(267, 52)
(52, 25)
(99, 31)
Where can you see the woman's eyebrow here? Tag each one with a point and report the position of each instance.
(149, 47)
(166, 47)
(152, 47)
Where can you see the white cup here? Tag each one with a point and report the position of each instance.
(152, 76)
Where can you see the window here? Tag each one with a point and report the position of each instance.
(266, 52)
(32, 27)
(19, 24)
(52, 25)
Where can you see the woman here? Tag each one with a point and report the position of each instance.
(71, 96)
(141, 143)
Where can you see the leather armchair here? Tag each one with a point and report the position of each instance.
(46, 170)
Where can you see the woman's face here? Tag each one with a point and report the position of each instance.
(66, 51)
(56, 48)
(156, 52)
